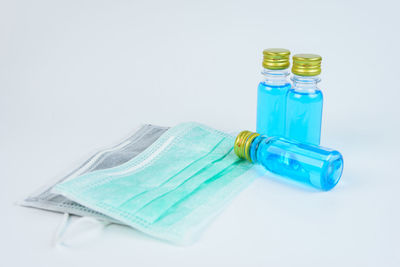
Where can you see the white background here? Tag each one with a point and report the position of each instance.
(79, 75)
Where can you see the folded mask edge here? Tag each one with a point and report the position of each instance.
(139, 130)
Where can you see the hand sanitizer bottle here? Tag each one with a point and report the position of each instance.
(304, 100)
(309, 164)
(271, 96)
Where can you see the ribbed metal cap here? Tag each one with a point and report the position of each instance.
(276, 58)
(306, 64)
(242, 144)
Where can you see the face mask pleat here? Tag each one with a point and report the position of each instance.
(205, 199)
(170, 189)
(159, 206)
(137, 202)
(127, 186)
(198, 193)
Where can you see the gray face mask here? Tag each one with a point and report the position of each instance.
(107, 158)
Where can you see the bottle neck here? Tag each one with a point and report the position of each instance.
(305, 83)
(275, 77)
(255, 145)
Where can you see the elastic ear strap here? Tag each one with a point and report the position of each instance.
(70, 234)
(60, 230)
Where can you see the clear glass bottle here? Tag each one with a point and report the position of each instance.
(306, 163)
(304, 100)
(272, 90)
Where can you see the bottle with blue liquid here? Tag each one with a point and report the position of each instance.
(271, 95)
(309, 164)
(304, 100)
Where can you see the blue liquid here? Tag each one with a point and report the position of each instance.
(304, 116)
(271, 108)
(309, 164)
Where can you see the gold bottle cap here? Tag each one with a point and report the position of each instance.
(276, 59)
(306, 64)
(242, 144)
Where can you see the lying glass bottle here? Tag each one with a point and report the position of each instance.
(309, 164)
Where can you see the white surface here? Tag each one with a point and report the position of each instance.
(79, 75)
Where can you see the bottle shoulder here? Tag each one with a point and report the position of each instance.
(315, 95)
(279, 88)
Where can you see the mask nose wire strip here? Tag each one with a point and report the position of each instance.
(82, 230)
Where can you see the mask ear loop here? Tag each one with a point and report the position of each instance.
(78, 232)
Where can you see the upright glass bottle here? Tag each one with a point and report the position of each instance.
(304, 100)
(272, 90)
(306, 163)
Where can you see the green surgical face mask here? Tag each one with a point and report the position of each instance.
(170, 190)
